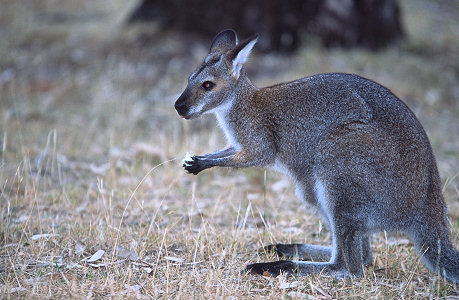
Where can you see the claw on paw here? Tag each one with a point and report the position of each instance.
(192, 164)
(187, 160)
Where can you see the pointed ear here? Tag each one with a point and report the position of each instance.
(240, 54)
(224, 41)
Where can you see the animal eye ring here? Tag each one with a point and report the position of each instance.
(208, 85)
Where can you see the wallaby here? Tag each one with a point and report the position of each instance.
(355, 151)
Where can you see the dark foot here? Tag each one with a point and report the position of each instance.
(194, 166)
(288, 267)
(272, 268)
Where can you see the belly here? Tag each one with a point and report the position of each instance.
(303, 189)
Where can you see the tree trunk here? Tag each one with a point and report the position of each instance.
(348, 23)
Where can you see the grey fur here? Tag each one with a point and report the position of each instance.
(354, 150)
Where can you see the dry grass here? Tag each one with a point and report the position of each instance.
(91, 150)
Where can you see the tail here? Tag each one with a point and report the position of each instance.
(437, 252)
(431, 231)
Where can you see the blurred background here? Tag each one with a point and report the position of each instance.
(87, 91)
(102, 76)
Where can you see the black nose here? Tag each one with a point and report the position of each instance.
(180, 104)
(180, 107)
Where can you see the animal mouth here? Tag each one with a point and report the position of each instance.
(190, 116)
(187, 115)
(183, 114)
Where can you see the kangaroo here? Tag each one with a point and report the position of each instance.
(354, 150)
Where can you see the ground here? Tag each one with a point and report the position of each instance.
(91, 152)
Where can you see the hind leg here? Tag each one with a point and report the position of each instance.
(301, 251)
(345, 258)
(316, 252)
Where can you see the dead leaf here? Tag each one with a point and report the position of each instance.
(21, 219)
(253, 196)
(79, 249)
(17, 290)
(257, 290)
(99, 170)
(127, 254)
(299, 295)
(10, 245)
(100, 265)
(290, 229)
(43, 235)
(96, 256)
(288, 285)
(325, 295)
(174, 259)
(97, 265)
(133, 288)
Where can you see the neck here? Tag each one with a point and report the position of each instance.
(234, 109)
(244, 83)
(244, 92)
(239, 99)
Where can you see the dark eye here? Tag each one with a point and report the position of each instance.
(208, 85)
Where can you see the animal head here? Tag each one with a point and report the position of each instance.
(213, 85)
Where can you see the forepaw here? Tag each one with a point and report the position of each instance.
(193, 165)
(272, 268)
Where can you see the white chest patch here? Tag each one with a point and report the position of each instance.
(227, 130)
(221, 113)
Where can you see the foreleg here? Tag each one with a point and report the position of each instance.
(218, 154)
(228, 158)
